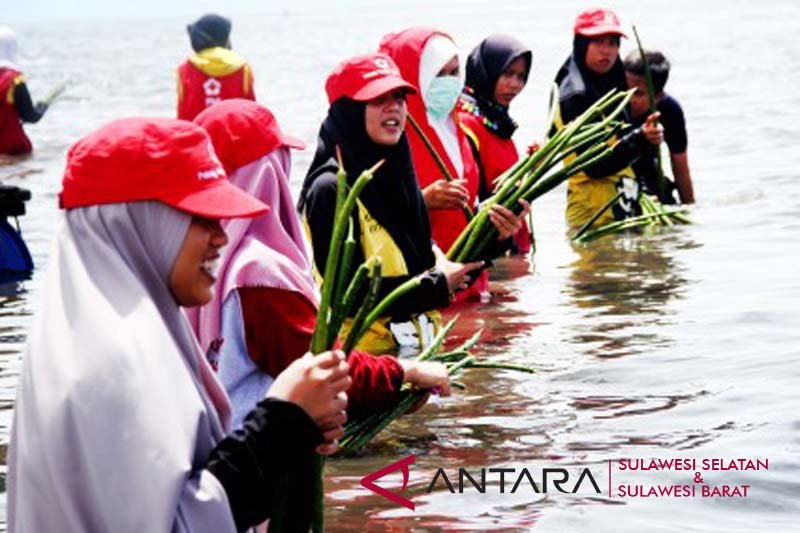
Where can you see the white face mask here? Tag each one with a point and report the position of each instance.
(442, 95)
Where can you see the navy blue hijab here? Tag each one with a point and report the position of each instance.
(485, 64)
(208, 31)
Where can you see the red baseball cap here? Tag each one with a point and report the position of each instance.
(365, 77)
(243, 131)
(162, 159)
(598, 21)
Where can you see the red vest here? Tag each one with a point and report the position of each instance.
(13, 140)
(199, 90)
(496, 155)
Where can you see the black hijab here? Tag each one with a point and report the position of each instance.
(393, 197)
(485, 64)
(208, 31)
(577, 83)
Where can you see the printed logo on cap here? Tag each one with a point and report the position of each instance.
(384, 68)
(214, 173)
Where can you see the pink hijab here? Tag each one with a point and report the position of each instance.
(266, 251)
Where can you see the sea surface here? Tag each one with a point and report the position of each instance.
(683, 343)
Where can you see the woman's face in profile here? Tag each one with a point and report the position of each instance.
(192, 278)
(385, 118)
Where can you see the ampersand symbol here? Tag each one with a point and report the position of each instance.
(698, 478)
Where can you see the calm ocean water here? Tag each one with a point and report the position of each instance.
(678, 344)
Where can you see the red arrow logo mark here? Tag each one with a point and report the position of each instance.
(368, 482)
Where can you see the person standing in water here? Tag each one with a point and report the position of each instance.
(593, 69)
(428, 60)
(119, 422)
(674, 123)
(367, 121)
(497, 71)
(16, 105)
(265, 304)
(214, 72)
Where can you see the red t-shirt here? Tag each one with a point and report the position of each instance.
(278, 326)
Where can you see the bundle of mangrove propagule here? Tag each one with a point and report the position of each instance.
(653, 212)
(343, 294)
(360, 431)
(590, 136)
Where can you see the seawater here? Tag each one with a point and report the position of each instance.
(682, 343)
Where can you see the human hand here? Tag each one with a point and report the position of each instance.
(652, 130)
(318, 384)
(457, 274)
(442, 194)
(426, 375)
(506, 222)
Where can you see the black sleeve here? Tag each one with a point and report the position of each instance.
(674, 127)
(573, 106)
(498, 248)
(630, 146)
(432, 293)
(320, 208)
(626, 152)
(25, 108)
(270, 456)
(319, 212)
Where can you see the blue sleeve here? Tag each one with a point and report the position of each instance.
(244, 382)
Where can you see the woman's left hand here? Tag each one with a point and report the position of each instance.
(506, 222)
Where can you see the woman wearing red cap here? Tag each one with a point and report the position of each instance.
(120, 424)
(366, 120)
(593, 69)
(264, 309)
(497, 71)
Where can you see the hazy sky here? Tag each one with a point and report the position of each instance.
(27, 11)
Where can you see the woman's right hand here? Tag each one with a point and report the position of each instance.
(457, 274)
(443, 194)
(318, 384)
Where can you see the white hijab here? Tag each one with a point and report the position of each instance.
(8, 48)
(438, 51)
(116, 411)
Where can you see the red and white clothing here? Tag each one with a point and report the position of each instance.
(209, 76)
(264, 309)
(495, 155)
(407, 49)
(13, 139)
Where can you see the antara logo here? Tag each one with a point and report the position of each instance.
(559, 478)
(368, 482)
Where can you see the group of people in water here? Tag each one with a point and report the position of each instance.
(167, 384)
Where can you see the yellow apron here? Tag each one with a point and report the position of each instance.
(379, 338)
(587, 195)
